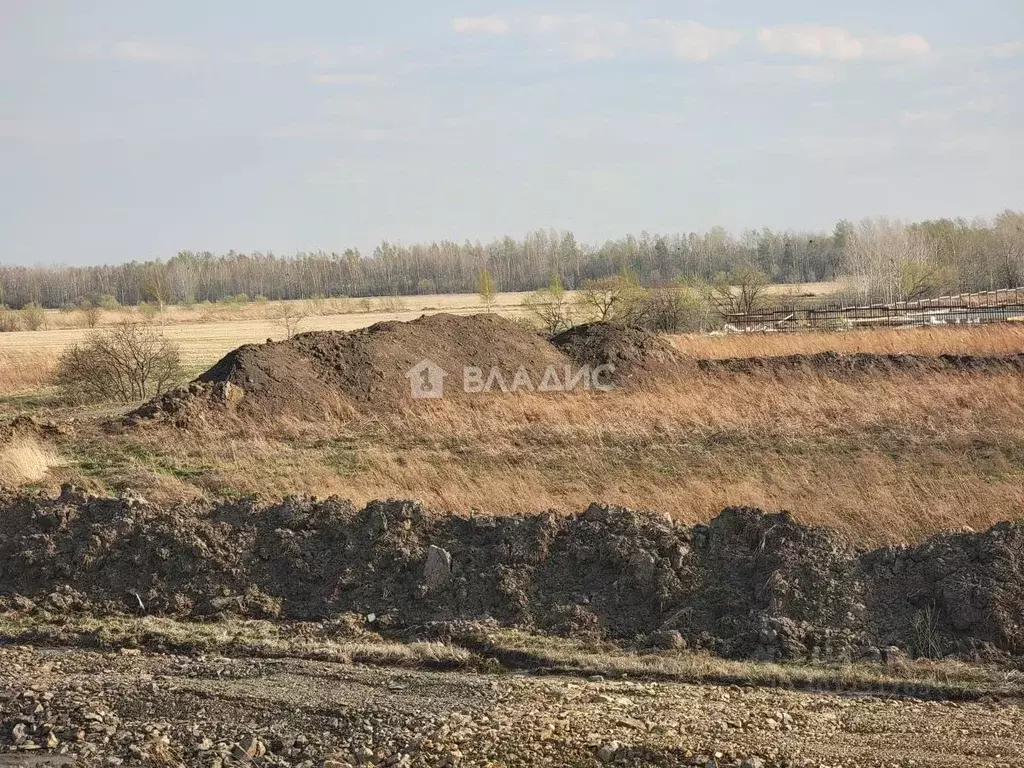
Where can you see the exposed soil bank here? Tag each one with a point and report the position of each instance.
(748, 584)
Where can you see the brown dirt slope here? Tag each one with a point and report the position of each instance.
(635, 353)
(325, 373)
(748, 584)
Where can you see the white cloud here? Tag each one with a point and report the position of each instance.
(148, 52)
(690, 40)
(898, 47)
(1006, 50)
(818, 41)
(587, 36)
(483, 25)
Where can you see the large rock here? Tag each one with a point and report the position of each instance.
(438, 570)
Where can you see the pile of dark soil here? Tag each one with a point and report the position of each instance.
(747, 584)
(333, 373)
(835, 364)
(325, 373)
(634, 352)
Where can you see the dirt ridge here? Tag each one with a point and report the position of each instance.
(747, 584)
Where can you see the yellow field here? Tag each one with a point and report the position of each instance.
(205, 334)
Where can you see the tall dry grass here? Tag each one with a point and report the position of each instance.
(995, 339)
(24, 370)
(23, 459)
(883, 458)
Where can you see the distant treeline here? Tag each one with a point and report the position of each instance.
(885, 260)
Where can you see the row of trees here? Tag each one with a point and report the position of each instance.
(882, 260)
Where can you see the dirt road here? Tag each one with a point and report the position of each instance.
(136, 708)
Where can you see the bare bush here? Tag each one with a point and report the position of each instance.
(391, 304)
(33, 317)
(91, 312)
(609, 298)
(289, 315)
(126, 363)
(9, 320)
(549, 308)
(672, 308)
(740, 291)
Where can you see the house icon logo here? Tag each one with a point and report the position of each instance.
(427, 380)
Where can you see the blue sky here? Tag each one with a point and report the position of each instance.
(131, 129)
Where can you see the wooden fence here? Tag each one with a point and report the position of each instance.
(1005, 305)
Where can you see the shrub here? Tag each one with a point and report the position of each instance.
(391, 304)
(91, 312)
(33, 317)
(108, 302)
(148, 311)
(126, 363)
(9, 320)
(672, 308)
(549, 308)
(289, 315)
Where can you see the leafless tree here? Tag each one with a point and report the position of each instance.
(127, 362)
(289, 315)
(549, 308)
(608, 298)
(740, 291)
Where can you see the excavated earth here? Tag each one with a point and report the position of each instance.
(325, 373)
(333, 374)
(748, 584)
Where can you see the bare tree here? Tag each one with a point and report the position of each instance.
(886, 260)
(609, 298)
(549, 307)
(127, 362)
(740, 291)
(289, 316)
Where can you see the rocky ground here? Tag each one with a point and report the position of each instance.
(131, 707)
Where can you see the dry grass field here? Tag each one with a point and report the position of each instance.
(206, 332)
(885, 457)
(996, 339)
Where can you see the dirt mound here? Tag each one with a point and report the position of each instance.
(747, 584)
(835, 364)
(332, 372)
(634, 352)
(32, 425)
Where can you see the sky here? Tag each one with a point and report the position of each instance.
(133, 129)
